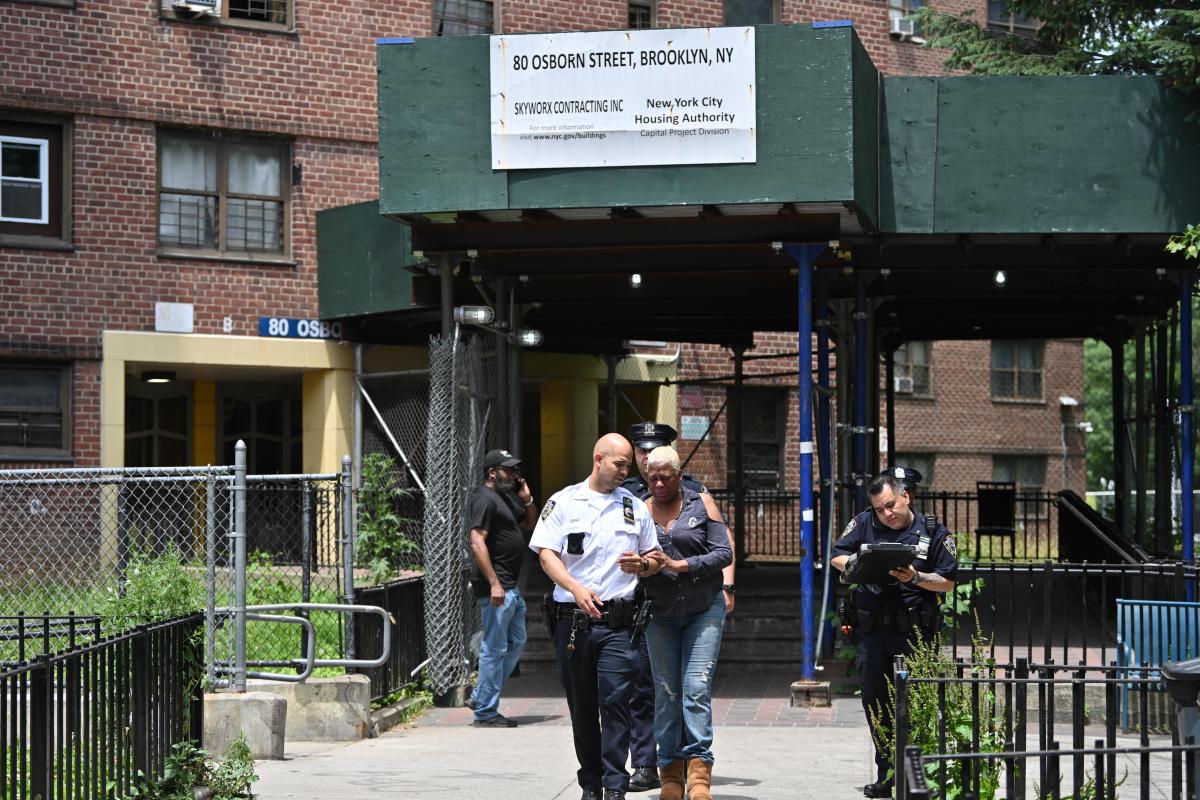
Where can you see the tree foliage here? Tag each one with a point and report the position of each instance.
(1077, 37)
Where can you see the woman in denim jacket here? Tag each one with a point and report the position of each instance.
(688, 617)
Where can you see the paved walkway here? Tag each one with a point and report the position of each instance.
(765, 750)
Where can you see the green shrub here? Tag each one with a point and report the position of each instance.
(382, 545)
(157, 587)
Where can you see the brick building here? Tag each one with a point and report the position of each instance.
(163, 163)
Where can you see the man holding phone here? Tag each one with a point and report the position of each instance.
(499, 510)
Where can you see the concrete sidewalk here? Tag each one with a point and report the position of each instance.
(765, 750)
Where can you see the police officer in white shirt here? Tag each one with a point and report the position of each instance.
(594, 539)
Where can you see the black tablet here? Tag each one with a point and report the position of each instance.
(875, 560)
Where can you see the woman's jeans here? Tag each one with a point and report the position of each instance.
(503, 641)
(683, 656)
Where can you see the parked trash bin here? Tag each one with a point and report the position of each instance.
(1182, 679)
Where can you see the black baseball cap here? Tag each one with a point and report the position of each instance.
(648, 435)
(500, 458)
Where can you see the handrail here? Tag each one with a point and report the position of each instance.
(310, 661)
(1078, 514)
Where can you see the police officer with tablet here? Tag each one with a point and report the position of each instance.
(904, 604)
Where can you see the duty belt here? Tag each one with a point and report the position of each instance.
(613, 614)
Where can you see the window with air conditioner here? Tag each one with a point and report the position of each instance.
(912, 366)
(900, 23)
(222, 194)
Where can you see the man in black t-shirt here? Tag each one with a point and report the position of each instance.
(499, 509)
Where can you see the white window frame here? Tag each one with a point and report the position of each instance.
(43, 146)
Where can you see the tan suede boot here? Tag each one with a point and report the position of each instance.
(699, 779)
(671, 778)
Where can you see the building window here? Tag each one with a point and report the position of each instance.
(255, 13)
(35, 411)
(1029, 474)
(1001, 20)
(765, 428)
(751, 12)
(641, 14)
(222, 194)
(463, 17)
(32, 183)
(911, 368)
(922, 463)
(902, 9)
(1017, 370)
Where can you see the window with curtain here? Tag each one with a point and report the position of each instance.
(227, 195)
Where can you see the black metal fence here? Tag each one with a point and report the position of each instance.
(27, 635)
(86, 723)
(1019, 717)
(1054, 612)
(404, 600)
(772, 522)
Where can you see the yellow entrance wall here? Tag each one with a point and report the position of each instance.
(327, 370)
(570, 388)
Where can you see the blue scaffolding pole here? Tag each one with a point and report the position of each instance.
(804, 255)
(1186, 444)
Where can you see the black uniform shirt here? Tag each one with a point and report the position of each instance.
(936, 552)
(498, 514)
(637, 484)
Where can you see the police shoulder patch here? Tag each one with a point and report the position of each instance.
(849, 528)
(627, 503)
(548, 509)
(951, 548)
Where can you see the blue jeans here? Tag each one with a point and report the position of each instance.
(503, 641)
(683, 656)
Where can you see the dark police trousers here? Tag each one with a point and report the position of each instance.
(643, 752)
(877, 651)
(597, 678)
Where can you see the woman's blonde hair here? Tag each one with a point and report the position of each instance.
(665, 456)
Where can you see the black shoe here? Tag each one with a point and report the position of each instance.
(591, 794)
(880, 790)
(644, 779)
(498, 721)
(614, 794)
(470, 702)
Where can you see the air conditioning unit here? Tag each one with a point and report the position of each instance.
(903, 385)
(902, 28)
(197, 8)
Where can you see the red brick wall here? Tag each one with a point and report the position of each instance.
(118, 71)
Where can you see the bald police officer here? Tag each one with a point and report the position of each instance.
(892, 614)
(593, 540)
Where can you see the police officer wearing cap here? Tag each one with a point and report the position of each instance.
(594, 540)
(890, 615)
(646, 436)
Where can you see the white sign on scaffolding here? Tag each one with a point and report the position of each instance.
(623, 98)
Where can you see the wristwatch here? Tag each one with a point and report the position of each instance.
(527, 505)
(729, 587)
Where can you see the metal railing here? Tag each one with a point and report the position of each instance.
(404, 600)
(773, 523)
(28, 635)
(87, 723)
(1014, 741)
(1055, 612)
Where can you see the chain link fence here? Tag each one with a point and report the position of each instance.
(468, 415)
(395, 410)
(136, 545)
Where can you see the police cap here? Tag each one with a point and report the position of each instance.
(648, 435)
(906, 475)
